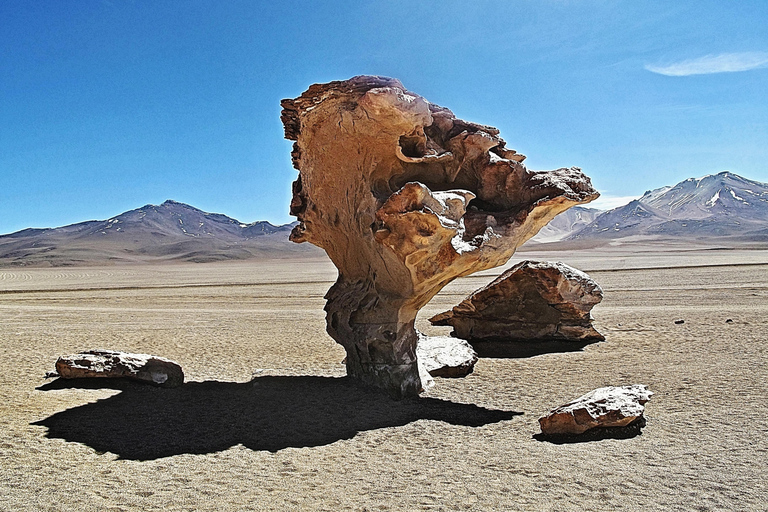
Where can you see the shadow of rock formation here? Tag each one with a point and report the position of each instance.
(267, 413)
(523, 349)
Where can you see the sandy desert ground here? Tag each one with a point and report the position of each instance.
(266, 420)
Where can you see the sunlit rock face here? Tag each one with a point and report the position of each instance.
(532, 301)
(608, 407)
(110, 364)
(404, 197)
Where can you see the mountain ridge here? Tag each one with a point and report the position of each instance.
(567, 223)
(170, 231)
(256, 228)
(712, 206)
(717, 207)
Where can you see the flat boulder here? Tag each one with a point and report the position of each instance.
(606, 407)
(108, 364)
(444, 356)
(530, 301)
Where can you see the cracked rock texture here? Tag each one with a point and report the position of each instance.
(404, 197)
(604, 407)
(530, 301)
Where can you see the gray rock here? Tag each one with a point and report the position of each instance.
(105, 363)
(444, 356)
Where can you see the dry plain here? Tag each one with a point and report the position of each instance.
(266, 420)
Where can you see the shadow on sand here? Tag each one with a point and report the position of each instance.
(524, 349)
(267, 413)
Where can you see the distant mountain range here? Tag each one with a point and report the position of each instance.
(720, 207)
(170, 231)
(567, 223)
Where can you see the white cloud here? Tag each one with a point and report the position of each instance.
(722, 63)
(609, 202)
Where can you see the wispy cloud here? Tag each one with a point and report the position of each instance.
(722, 63)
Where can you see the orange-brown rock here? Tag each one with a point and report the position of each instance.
(608, 407)
(105, 363)
(404, 197)
(531, 301)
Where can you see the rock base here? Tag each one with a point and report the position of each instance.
(634, 429)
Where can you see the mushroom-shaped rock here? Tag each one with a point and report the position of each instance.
(530, 301)
(444, 356)
(404, 197)
(604, 407)
(105, 363)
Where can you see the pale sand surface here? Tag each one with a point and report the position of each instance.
(298, 437)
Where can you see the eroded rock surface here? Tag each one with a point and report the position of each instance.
(604, 407)
(444, 356)
(404, 197)
(530, 301)
(104, 363)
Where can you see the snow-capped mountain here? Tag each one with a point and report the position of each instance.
(567, 223)
(170, 218)
(718, 205)
(169, 231)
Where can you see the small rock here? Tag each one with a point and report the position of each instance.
(679, 321)
(105, 363)
(444, 356)
(604, 407)
(729, 321)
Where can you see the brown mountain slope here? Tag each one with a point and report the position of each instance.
(170, 231)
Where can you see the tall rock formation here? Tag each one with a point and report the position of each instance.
(404, 197)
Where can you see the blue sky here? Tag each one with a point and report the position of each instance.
(107, 105)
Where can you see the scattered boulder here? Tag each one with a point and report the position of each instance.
(105, 363)
(530, 301)
(444, 356)
(604, 407)
(404, 197)
(679, 321)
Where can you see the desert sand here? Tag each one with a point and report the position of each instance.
(266, 420)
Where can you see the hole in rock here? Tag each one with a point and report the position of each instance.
(413, 146)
